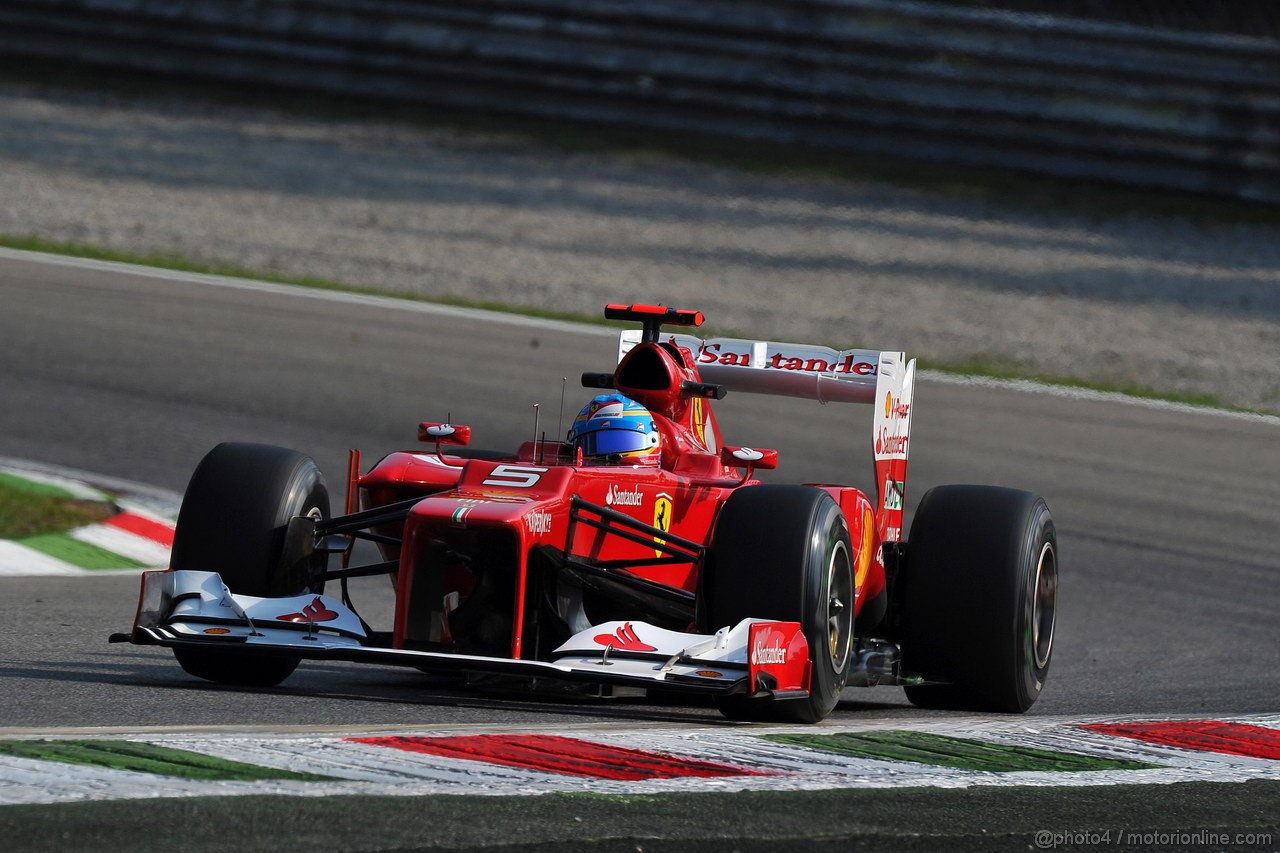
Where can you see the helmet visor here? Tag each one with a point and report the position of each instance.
(606, 442)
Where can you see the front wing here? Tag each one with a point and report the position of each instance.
(758, 657)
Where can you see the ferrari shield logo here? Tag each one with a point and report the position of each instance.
(661, 517)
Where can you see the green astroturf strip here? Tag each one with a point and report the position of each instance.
(78, 553)
(952, 752)
(31, 487)
(147, 758)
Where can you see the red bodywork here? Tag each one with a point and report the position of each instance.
(481, 527)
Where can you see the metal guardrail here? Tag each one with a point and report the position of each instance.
(1061, 96)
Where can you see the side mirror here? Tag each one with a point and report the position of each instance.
(749, 458)
(444, 433)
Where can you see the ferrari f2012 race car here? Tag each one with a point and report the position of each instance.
(637, 551)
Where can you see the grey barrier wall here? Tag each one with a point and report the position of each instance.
(1066, 97)
(1244, 17)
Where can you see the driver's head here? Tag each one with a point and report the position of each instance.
(616, 430)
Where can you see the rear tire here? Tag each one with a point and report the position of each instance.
(783, 552)
(233, 521)
(979, 598)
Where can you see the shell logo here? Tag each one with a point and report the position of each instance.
(888, 404)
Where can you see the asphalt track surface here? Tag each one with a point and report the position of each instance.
(1167, 520)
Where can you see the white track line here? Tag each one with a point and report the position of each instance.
(411, 306)
(1029, 386)
(483, 315)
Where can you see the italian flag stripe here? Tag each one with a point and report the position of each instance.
(953, 752)
(563, 755)
(147, 758)
(132, 538)
(78, 553)
(148, 528)
(1205, 735)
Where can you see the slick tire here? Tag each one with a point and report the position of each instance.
(978, 596)
(783, 552)
(233, 521)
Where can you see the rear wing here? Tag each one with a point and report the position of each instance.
(765, 367)
(884, 379)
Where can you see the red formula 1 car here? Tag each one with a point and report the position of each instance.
(638, 551)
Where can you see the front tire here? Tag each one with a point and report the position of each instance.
(979, 597)
(233, 521)
(783, 552)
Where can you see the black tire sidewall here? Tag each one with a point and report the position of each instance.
(770, 554)
(233, 521)
(235, 513)
(967, 599)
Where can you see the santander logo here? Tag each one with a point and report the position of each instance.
(625, 639)
(890, 445)
(623, 497)
(762, 654)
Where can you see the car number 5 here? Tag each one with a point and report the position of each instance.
(514, 476)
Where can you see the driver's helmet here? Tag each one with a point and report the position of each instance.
(616, 430)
